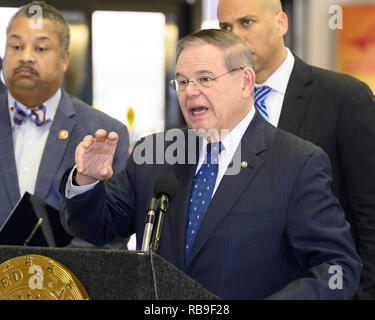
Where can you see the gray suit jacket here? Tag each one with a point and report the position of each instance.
(2, 86)
(72, 115)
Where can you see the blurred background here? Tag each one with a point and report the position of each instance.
(122, 51)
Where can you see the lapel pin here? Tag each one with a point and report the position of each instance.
(63, 134)
(244, 164)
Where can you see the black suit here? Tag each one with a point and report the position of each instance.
(337, 113)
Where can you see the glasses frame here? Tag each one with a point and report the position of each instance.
(173, 84)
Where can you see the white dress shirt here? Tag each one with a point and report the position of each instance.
(229, 147)
(278, 82)
(29, 141)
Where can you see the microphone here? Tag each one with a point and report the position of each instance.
(150, 218)
(165, 188)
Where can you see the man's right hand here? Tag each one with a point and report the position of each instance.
(94, 157)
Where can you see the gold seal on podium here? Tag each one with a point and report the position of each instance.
(36, 277)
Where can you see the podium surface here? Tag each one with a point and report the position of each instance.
(120, 274)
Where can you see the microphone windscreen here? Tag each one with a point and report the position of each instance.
(166, 184)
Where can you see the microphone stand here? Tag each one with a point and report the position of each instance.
(149, 225)
(162, 209)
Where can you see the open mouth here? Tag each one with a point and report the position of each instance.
(198, 111)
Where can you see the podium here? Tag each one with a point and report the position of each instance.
(120, 274)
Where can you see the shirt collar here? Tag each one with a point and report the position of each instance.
(51, 105)
(231, 140)
(278, 80)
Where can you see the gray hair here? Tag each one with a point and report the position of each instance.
(237, 53)
(49, 13)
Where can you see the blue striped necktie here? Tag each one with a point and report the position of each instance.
(201, 194)
(37, 114)
(259, 100)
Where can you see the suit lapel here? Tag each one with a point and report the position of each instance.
(232, 186)
(55, 146)
(3, 89)
(297, 97)
(8, 169)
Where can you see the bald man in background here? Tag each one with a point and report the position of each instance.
(332, 110)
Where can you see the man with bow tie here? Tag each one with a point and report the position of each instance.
(40, 123)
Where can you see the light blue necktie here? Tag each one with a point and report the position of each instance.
(203, 186)
(259, 100)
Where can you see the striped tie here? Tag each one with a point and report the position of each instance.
(37, 114)
(260, 97)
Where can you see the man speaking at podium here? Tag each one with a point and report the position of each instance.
(271, 229)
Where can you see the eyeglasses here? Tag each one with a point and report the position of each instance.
(204, 81)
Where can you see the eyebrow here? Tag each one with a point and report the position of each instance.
(15, 36)
(204, 72)
(41, 38)
(247, 17)
(178, 74)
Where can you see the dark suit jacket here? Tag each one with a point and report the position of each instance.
(337, 113)
(79, 120)
(2, 86)
(272, 230)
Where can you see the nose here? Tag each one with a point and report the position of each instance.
(194, 83)
(27, 55)
(192, 90)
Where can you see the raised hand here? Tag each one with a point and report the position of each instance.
(94, 157)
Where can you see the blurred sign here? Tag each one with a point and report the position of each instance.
(356, 43)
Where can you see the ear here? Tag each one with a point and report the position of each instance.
(66, 58)
(248, 82)
(281, 20)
